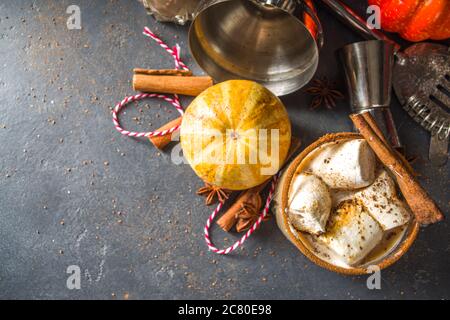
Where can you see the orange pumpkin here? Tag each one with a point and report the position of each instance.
(236, 134)
(416, 20)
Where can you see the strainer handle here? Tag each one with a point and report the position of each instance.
(357, 23)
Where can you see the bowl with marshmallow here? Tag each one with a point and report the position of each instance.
(342, 209)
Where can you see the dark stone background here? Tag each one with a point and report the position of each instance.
(134, 226)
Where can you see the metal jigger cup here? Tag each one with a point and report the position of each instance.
(368, 71)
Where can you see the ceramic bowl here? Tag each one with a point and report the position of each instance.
(303, 242)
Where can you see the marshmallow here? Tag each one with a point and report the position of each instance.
(338, 196)
(352, 232)
(383, 204)
(309, 203)
(381, 201)
(348, 164)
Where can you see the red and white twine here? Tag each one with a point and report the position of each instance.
(124, 102)
(175, 53)
(249, 232)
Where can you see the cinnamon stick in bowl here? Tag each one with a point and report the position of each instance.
(423, 207)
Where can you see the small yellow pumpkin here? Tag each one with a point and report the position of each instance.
(236, 134)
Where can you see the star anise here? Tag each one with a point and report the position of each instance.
(324, 93)
(213, 194)
(249, 213)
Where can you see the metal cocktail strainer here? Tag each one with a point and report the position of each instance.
(421, 81)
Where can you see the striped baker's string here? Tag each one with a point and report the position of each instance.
(175, 53)
(249, 232)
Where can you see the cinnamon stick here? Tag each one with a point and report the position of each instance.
(230, 217)
(162, 141)
(423, 207)
(373, 124)
(190, 86)
(163, 72)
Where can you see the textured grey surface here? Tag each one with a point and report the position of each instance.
(73, 191)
